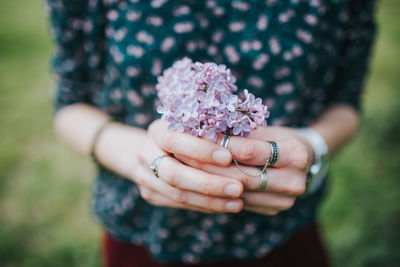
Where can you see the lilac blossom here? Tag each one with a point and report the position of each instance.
(198, 98)
(229, 102)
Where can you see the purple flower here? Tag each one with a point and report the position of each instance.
(207, 100)
(242, 127)
(233, 119)
(175, 124)
(229, 102)
(210, 133)
(198, 98)
(189, 110)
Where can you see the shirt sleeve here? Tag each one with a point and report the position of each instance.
(359, 32)
(70, 61)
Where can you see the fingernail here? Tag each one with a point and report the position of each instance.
(233, 206)
(232, 190)
(221, 156)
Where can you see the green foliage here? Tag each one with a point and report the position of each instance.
(45, 188)
(361, 216)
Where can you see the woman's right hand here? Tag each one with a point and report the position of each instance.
(178, 185)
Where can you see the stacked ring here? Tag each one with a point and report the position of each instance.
(264, 180)
(274, 153)
(263, 172)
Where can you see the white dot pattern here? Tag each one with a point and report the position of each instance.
(298, 56)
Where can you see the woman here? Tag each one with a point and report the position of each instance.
(305, 59)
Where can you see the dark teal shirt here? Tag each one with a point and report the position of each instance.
(299, 56)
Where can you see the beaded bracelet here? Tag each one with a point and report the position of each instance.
(95, 140)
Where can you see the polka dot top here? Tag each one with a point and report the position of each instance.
(299, 56)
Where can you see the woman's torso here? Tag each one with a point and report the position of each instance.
(285, 52)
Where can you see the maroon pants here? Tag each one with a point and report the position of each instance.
(303, 249)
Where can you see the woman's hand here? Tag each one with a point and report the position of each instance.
(129, 152)
(287, 178)
(178, 185)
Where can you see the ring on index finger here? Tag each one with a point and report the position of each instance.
(225, 141)
(274, 153)
(156, 164)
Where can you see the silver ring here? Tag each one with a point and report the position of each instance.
(264, 180)
(225, 141)
(156, 164)
(274, 153)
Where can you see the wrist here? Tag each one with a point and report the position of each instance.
(316, 140)
(117, 147)
(95, 139)
(319, 166)
(337, 125)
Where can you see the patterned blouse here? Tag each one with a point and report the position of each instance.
(299, 56)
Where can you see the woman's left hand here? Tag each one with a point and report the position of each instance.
(286, 179)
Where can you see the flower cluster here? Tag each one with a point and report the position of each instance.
(199, 99)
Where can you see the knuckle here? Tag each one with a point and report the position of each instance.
(300, 155)
(138, 175)
(291, 202)
(247, 151)
(170, 177)
(179, 196)
(169, 142)
(297, 187)
(301, 190)
(212, 205)
(141, 158)
(146, 194)
(139, 179)
(287, 204)
(208, 185)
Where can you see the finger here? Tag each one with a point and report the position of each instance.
(232, 171)
(291, 152)
(268, 200)
(275, 133)
(288, 181)
(261, 210)
(178, 175)
(181, 176)
(157, 199)
(217, 204)
(185, 144)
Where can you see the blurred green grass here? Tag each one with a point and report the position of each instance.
(45, 188)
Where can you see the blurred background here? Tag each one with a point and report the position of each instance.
(45, 188)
